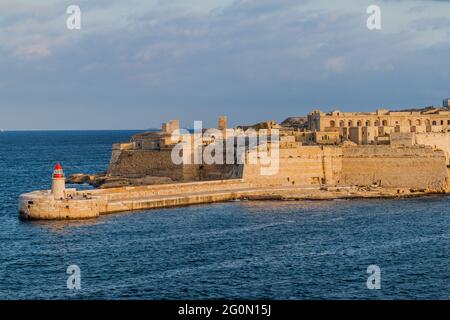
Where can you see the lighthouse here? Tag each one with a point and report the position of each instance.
(58, 182)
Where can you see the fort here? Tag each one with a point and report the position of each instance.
(320, 156)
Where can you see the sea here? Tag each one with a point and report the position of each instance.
(341, 249)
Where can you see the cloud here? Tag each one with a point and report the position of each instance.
(335, 64)
(193, 59)
(33, 51)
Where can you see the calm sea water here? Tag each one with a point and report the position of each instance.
(273, 250)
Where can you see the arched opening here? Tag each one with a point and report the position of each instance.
(434, 123)
(342, 123)
(385, 123)
(367, 123)
(332, 124)
(418, 122)
(358, 123)
(350, 123)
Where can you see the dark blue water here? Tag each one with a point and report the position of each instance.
(274, 250)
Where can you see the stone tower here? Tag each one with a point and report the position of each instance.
(222, 124)
(171, 126)
(58, 182)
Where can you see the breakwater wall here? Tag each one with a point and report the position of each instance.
(91, 203)
(303, 173)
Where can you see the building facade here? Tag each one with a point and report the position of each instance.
(367, 127)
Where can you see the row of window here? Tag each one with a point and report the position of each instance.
(385, 123)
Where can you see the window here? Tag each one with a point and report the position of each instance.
(385, 123)
(434, 123)
(332, 123)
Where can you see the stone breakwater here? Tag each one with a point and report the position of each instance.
(93, 203)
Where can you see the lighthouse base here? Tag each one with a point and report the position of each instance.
(41, 205)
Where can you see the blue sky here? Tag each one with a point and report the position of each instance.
(137, 63)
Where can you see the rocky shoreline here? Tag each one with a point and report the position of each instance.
(103, 181)
(349, 194)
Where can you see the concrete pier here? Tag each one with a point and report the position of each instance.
(87, 204)
(91, 203)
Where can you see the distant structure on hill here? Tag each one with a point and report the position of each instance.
(296, 123)
(446, 103)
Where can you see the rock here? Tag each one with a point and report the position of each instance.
(104, 181)
(348, 143)
(80, 178)
(295, 122)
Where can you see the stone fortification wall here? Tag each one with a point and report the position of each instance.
(216, 171)
(139, 163)
(304, 165)
(403, 167)
(408, 167)
(436, 140)
(416, 167)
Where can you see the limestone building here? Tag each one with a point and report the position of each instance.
(376, 127)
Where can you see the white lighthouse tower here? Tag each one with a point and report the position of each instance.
(58, 182)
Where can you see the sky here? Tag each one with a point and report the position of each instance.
(135, 64)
